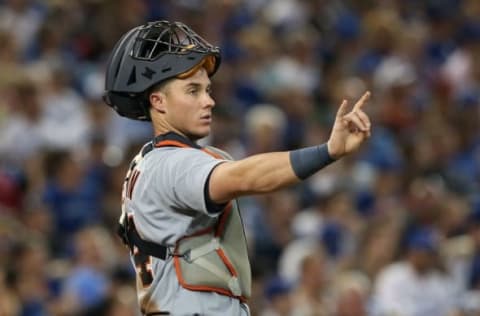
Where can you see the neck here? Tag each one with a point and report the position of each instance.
(161, 126)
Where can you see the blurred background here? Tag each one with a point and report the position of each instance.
(391, 230)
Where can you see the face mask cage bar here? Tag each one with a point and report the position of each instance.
(158, 38)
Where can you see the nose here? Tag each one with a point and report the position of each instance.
(209, 101)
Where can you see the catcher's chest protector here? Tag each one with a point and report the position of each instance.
(216, 259)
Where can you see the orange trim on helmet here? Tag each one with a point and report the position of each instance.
(208, 62)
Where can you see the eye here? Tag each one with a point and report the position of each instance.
(192, 91)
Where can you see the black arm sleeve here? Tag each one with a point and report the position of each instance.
(307, 161)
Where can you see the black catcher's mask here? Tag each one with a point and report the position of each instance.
(148, 55)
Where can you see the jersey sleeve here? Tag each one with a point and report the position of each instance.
(182, 178)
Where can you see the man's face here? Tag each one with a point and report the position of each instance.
(422, 260)
(188, 105)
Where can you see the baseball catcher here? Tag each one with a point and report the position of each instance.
(180, 218)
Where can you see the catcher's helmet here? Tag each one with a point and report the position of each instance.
(150, 54)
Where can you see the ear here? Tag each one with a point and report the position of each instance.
(158, 101)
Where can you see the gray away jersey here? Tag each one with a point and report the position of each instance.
(168, 190)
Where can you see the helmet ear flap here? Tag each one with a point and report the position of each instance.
(128, 105)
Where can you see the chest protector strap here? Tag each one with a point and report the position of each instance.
(215, 259)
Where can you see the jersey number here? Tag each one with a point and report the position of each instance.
(143, 263)
(130, 183)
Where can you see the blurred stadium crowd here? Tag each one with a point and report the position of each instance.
(392, 230)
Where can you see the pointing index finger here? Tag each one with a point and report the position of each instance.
(362, 100)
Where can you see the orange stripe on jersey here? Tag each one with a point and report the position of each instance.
(175, 143)
(171, 143)
(211, 153)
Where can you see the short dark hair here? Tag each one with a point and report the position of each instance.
(155, 88)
